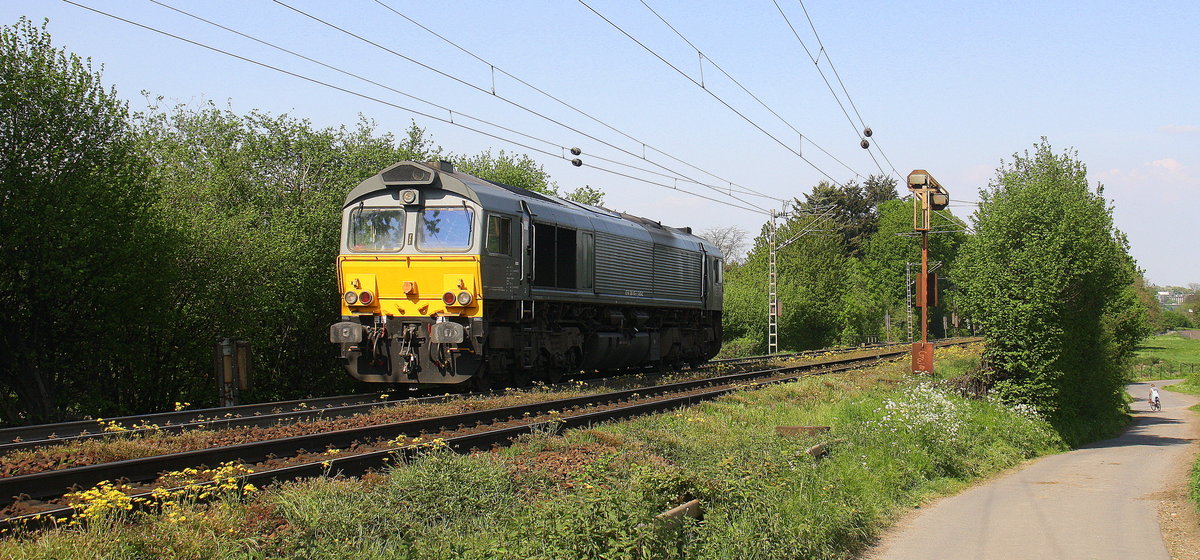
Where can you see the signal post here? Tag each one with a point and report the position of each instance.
(928, 196)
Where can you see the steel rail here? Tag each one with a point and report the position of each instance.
(362, 462)
(259, 420)
(256, 415)
(53, 483)
(45, 431)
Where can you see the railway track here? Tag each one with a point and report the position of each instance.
(254, 415)
(29, 499)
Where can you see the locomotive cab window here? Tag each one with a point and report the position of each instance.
(445, 229)
(376, 230)
(499, 236)
(717, 270)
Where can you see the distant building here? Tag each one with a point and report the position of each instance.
(1172, 300)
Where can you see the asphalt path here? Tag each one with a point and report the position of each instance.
(1091, 503)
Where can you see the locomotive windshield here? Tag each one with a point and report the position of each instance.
(376, 230)
(445, 229)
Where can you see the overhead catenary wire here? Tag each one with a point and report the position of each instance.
(401, 107)
(451, 112)
(714, 96)
(833, 67)
(704, 57)
(494, 68)
(500, 97)
(858, 132)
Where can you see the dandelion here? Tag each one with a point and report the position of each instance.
(100, 500)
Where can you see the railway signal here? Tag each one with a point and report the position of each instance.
(928, 196)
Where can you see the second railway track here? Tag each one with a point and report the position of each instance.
(27, 498)
(256, 415)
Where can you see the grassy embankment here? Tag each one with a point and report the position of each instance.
(1170, 356)
(595, 493)
(1178, 356)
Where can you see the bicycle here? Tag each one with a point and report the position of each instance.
(1155, 405)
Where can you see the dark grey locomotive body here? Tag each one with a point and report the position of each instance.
(561, 287)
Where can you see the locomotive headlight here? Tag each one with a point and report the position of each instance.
(365, 298)
(448, 298)
(410, 196)
(351, 298)
(464, 298)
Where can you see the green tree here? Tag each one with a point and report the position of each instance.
(82, 285)
(514, 170)
(1154, 311)
(854, 207)
(520, 170)
(258, 200)
(1047, 277)
(885, 254)
(814, 276)
(586, 195)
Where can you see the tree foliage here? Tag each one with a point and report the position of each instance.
(814, 275)
(586, 195)
(257, 201)
(517, 170)
(887, 253)
(133, 242)
(854, 207)
(81, 246)
(520, 170)
(1049, 280)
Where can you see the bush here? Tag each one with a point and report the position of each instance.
(1050, 282)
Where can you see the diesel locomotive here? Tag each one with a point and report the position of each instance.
(447, 278)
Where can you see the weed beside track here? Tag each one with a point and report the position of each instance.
(594, 492)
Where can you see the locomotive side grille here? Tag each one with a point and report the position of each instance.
(677, 273)
(623, 265)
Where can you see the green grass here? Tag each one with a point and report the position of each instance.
(1166, 357)
(1194, 479)
(1194, 483)
(595, 493)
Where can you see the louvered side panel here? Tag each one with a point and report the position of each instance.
(623, 265)
(676, 273)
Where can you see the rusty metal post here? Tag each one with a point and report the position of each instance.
(928, 195)
(925, 286)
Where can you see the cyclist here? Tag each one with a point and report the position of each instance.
(1155, 404)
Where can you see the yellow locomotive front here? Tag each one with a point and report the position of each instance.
(409, 275)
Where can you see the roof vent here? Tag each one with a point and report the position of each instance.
(444, 165)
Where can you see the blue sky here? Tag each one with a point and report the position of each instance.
(949, 87)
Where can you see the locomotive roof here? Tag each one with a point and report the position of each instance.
(507, 198)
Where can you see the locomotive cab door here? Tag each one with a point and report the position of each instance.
(502, 257)
(526, 252)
